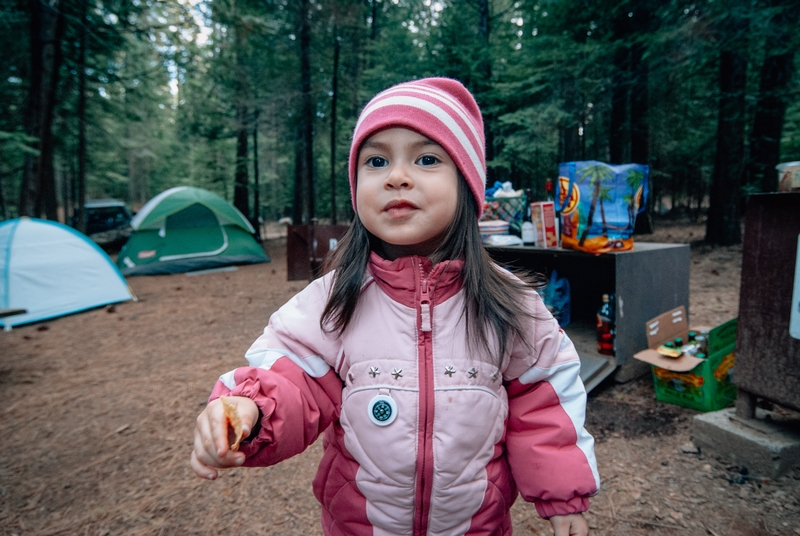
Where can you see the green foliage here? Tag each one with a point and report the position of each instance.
(165, 80)
(14, 67)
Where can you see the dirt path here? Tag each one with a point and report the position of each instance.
(99, 407)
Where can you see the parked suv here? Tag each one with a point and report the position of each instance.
(108, 223)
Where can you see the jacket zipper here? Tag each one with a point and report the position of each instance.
(424, 305)
(425, 460)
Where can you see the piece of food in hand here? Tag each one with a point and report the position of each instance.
(232, 414)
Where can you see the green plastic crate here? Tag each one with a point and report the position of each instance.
(708, 386)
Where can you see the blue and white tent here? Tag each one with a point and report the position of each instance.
(51, 270)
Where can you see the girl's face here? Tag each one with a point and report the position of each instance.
(406, 191)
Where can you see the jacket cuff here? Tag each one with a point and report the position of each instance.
(575, 505)
(261, 434)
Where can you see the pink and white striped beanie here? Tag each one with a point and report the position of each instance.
(441, 109)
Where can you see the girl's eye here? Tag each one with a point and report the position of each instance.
(377, 161)
(427, 160)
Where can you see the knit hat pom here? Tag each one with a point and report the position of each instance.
(441, 109)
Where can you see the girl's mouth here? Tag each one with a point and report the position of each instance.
(399, 207)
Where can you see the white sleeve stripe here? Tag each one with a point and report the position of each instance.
(227, 380)
(538, 374)
(264, 357)
(313, 365)
(569, 396)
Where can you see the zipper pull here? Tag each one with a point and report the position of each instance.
(425, 306)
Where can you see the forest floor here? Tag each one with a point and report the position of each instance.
(96, 427)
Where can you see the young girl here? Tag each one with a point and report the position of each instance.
(441, 383)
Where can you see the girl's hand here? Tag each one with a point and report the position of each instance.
(213, 437)
(568, 525)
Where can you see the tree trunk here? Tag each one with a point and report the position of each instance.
(74, 190)
(619, 91)
(569, 139)
(640, 133)
(570, 143)
(483, 18)
(81, 179)
(335, 91)
(484, 83)
(220, 175)
(619, 104)
(640, 130)
(241, 198)
(138, 181)
(304, 168)
(724, 213)
(66, 180)
(47, 22)
(256, 185)
(765, 145)
(773, 95)
(3, 207)
(373, 27)
(241, 186)
(642, 20)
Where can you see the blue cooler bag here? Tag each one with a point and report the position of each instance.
(598, 204)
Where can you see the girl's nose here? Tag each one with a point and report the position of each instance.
(399, 178)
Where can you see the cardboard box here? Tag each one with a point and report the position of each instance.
(543, 216)
(689, 381)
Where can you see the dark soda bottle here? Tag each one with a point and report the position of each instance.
(605, 327)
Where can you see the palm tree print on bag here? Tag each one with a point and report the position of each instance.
(609, 198)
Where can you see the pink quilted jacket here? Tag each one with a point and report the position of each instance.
(421, 435)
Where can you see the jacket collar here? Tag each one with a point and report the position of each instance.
(401, 277)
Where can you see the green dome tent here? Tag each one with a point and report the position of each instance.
(184, 229)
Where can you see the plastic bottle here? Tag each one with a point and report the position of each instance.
(528, 232)
(528, 201)
(605, 327)
(528, 229)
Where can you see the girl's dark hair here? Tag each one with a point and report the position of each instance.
(492, 298)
